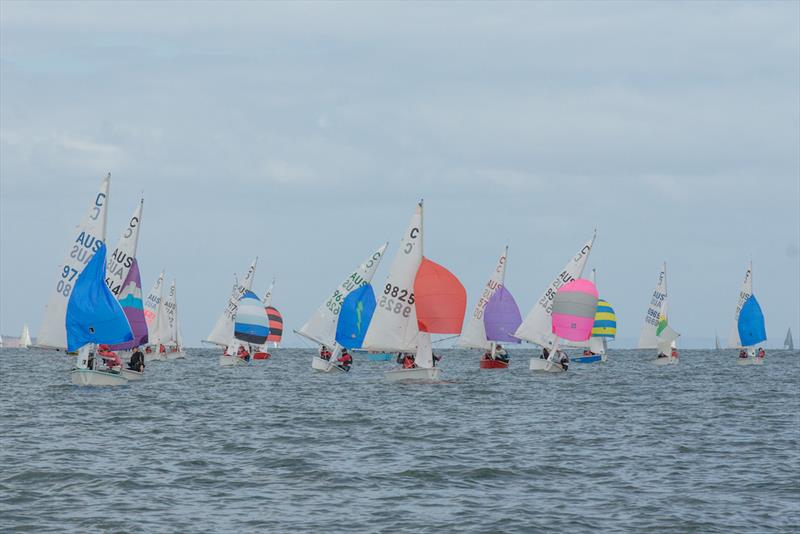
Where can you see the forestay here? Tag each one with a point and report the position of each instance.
(321, 326)
(90, 235)
(121, 260)
(474, 333)
(536, 327)
(394, 323)
(93, 313)
(747, 290)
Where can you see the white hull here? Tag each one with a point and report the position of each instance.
(413, 375)
(89, 377)
(669, 360)
(130, 374)
(545, 366)
(750, 361)
(324, 366)
(154, 357)
(180, 355)
(229, 361)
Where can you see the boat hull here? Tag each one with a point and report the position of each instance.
(413, 375)
(154, 357)
(588, 359)
(323, 366)
(89, 377)
(130, 374)
(750, 360)
(545, 366)
(179, 355)
(493, 364)
(262, 356)
(666, 361)
(231, 361)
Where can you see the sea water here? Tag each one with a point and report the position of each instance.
(705, 445)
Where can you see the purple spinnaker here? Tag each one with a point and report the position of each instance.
(501, 317)
(130, 298)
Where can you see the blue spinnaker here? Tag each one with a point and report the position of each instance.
(93, 313)
(751, 323)
(355, 316)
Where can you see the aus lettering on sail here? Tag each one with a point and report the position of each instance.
(491, 287)
(564, 277)
(119, 263)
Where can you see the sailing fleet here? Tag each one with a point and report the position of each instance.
(97, 312)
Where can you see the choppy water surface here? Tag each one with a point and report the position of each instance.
(626, 446)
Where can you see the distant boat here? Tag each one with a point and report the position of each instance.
(788, 343)
(275, 325)
(537, 326)
(172, 342)
(222, 333)
(572, 318)
(656, 332)
(604, 329)
(322, 325)
(155, 317)
(495, 317)
(251, 328)
(25, 338)
(418, 298)
(750, 325)
(717, 346)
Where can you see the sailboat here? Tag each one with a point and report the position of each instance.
(94, 316)
(130, 298)
(155, 318)
(222, 332)
(749, 329)
(419, 298)
(572, 319)
(717, 345)
(275, 325)
(656, 332)
(25, 338)
(537, 327)
(495, 317)
(788, 343)
(251, 327)
(603, 330)
(89, 236)
(173, 343)
(321, 326)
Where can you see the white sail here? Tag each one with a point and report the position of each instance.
(788, 343)
(424, 355)
(744, 294)
(537, 327)
(152, 302)
(717, 345)
(25, 338)
(267, 300)
(321, 326)
(119, 262)
(658, 308)
(394, 324)
(89, 236)
(474, 333)
(222, 333)
(171, 313)
(158, 328)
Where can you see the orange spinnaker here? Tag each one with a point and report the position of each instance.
(440, 298)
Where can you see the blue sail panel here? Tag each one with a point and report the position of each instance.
(252, 323)
(93, 313)
(752, 330)
(355, 316)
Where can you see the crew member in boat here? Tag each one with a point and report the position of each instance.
(500, 354)
(545, 354)
(408, 361)
(242, 353)
(674, 352)
(137, 361)
(487, 355)
(110, 357)
(148, 350)
(324, 353)
(661, 355)
(563, 359)
(743, 354)
(761, 353)
(345, 360)
(162, 349)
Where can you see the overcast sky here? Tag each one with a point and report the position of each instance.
(304, 133)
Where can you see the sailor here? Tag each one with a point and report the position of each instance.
(137, 361)
(242, 353)
(545, 354)
(761, 352)
(500, 354)
(324, 353)
(408, 361)
(743, 354)
(162, 349)
(487, 355)
(564, 360)
(148, 350)
(435, 358)
(345, 360)
(674, 352)
(661, 355)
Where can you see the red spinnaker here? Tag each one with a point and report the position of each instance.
(440, 299)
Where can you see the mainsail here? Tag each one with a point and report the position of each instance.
(121, 260)
(90, 235)
(536, 327)
(474, 332)
(747, 289)
(788, 343)
(222, 333)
